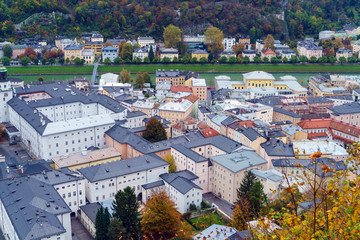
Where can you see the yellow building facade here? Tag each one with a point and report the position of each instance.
(97, 46)
(198, 54)
(73, 51)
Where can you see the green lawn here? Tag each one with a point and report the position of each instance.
(197, 68)
(206, 221)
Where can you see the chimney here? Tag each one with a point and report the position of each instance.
(84, 152)
(7, 169)
(21, 169)
(2, 158)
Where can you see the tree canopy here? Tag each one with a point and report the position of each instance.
(214, 40)
(154, 131)
(172, 35)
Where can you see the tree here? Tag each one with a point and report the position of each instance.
(169, 159)
(40, 79)
(313, 59)
(332, 59)
(126, 51)
(166, 60)
(246, 59)
(8, 52)
(285, 60)
(102, 222)
(257, 59)
(5, 61)
(154, 131)
(116, 230)
(137, 60)
(25, 61)
(172, 35)
(107, 61)
(126, 209)
(223, 59)
(155, 60)
(125, 76)
(139, 80)
(185, 59)
(274, 60)
(241, 214)
(294, 59)
(117, 60)
(61, 61)
(266, 59)
(303, 59)
(333, 213)
(251, 190)
(193, 60)
(77, 61)
(175, 59)
(214, 40)
(237, 48)
(151, 54)
(323, 59)
(43, 61)
(52, 61)
(146, 60)
(342, 60)
(146, 77)
(30, 51)
(67, 60)
(232, 59)
(160, 219)
(269, 42)
(203, 60)
(352, 59)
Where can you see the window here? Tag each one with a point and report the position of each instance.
(74, 193)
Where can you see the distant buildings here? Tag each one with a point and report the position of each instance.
(109, 52)
(309, 49)
(145, 41)
(175, 77)
(169, 53)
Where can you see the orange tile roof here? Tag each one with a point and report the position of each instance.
(247, 123)
(268, 51)
(179, 126)
(314, 123)
(209, 133)
(180, 89)
(345, 128)
(192, 98)
(316, 135)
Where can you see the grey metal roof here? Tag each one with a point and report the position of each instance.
(123, 167)
(276, 147)
(318, 100)
(181, 181)
(251, 134)
(342, 97)
(223, 143)
(228, 120)
(270, 174)
(309, 164)
(239, 160)
(153, 184)
(275, 133)
(56, 177)
(286, 112)
(74, 47)
(53, 89)
(346, 108)
(189, 153)
(135, 114)
(203, 110)
(32, 207)
(200, 51)
(91, 210)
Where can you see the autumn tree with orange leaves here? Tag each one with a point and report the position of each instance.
(334, 196)
(160, 219)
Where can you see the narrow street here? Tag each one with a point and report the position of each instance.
(222, 205)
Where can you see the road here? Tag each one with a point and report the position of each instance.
(223, 206)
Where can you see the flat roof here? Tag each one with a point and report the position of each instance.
(78, 158)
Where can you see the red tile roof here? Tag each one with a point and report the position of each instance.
(268, 51)
(209, 133)
(192, 98)
(180, 89)
(314, 123)
(316, 135)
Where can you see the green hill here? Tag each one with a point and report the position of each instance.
(131, 18)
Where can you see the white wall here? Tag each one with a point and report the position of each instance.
(73, 193)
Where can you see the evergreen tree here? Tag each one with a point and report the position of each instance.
(102, 221)
(116, 230)
(151, 54)
(8, 52)
(126, 209)
(154, 131)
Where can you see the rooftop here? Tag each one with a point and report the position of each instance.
(181, 181)
(122, 168)
(260, 75)
(239, 160)
(79, 158)
(276, 147)
(91, 210)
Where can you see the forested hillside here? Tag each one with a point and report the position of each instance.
(130, 18)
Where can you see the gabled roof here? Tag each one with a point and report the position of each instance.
(32, 207)
(189, 153)
(286, 112)
(251, 134)
(276, 147)
(314, 123)
(347, 108)
(91, 210)
(181, 181)
(180, 89)
(122, 168)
